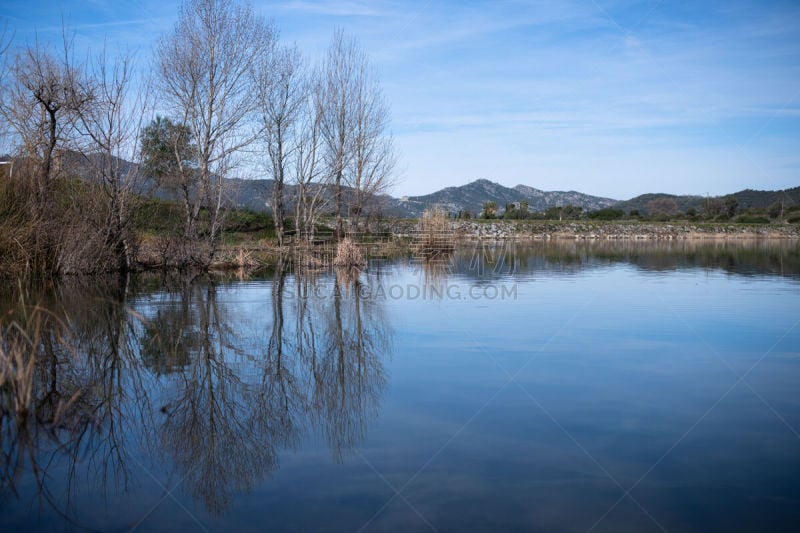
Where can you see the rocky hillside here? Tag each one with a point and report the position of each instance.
(473, 195)
(540, 200)
(255, 194)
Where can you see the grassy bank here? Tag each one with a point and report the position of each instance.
(248, 238)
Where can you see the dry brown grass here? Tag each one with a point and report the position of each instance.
(21, 342)
(434, 234)
(244, 259)
(348, 254)
(67, 233)
(18, 228)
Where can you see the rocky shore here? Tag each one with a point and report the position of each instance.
(546, 230)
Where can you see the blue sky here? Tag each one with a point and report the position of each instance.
(613, 98)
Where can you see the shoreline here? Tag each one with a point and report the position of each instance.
(599, 230)
(402, 235)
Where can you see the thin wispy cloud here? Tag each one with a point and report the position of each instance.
(335, 9)
(96, 26)
(609, 96)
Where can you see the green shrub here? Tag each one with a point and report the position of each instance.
(250, 221)
(159, 217)
(751, 219)
(609, 213)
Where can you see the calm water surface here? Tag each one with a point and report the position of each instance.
(569, 387)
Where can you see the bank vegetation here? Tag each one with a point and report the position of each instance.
(94, 141)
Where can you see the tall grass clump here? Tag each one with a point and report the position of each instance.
(348, 254)
(20, 228)
(24, 340)
(18, 347)
(67, 232)
(434, 234)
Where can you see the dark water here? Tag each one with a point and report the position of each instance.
(569, 387)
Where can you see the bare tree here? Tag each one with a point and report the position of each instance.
(354, 123)
(38, 104)
(204, 67)
(110, 127)
(281, 90)
(373, 159)
(335, 98)
(310, 180)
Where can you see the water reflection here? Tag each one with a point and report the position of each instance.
(483, 261)
(349, 376)
(212, 427)
(81, 397)
(211, 382)
(202, 386)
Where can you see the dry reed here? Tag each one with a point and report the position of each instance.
(21, 342)
(348, 254)
(244, 259)
(434, 234)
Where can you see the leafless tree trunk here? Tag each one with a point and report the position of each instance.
(354, 123)
(204, 71)
(310, 181)
(281, 87)
(335, 97)
(110, 125)
(373, 160)
(38, 104)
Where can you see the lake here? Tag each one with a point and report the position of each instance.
(571, 386)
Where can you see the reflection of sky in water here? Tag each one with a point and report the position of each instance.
(623, 376)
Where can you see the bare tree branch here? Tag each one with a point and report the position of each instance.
(204, 71)
(354, 123)
(281, 89)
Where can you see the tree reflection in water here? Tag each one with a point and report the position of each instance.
(229, 411)
(349, 376)
(209, 387)
(194, 383)
(85, 393)
(210, 428)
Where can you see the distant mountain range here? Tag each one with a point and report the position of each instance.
(745, 199)
(255, 194)
(473, 195)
